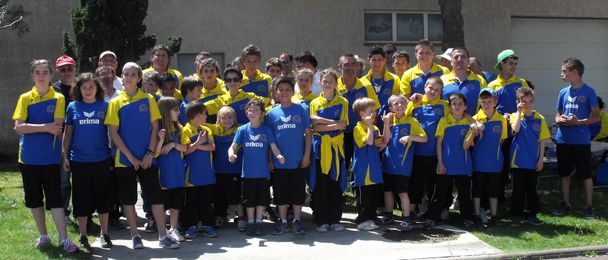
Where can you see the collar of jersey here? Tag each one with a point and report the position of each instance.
(342, 87)
(452, 121)
(138, 95)
(387, 75)
(481, 115)
(49, 94)
(434, 68)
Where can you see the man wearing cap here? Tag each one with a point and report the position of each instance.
(445, 59)
(475, 66)
(462, 81)
(108, 58)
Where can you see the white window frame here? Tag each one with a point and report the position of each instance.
(425, 19)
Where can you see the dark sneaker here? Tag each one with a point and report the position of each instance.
(588, 212)
(280, 228)
(167, 242)
(413, 215)
(115, 224)
(428, 224)
(494, 222)
(137, 243)
(406, 225)
(563, 209)
(516, 221)
(535, 221)
(150, 226)
(250, 229)
(84, 243)
(191, 232)
(105, 241)
(259, 229)
(241, 225)
(387, 218)
(298, 227)
(478, 222)
(209, 231)
(468, 223)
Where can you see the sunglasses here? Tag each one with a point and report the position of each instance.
(284, 62)
(389, 52)
(230, 80)
(69, 69)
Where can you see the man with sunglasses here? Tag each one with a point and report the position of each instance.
(389, 49)
(286, 60)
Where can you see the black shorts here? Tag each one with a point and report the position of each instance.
(289, 186)
(395, 183)
(92, 187)
(148, 179)
(256, 192)
(487, 183)
(574, 156)
(41, 181)
(174, 198)
(229, 187)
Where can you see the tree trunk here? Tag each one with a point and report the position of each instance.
(453, 23)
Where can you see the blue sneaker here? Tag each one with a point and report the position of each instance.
(191, 232)
(298, 227)
(209, 231)
(280, 228)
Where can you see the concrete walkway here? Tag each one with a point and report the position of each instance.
(386, 243)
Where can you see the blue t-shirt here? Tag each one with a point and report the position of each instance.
(171, 166)
(487, 151)
(525, 150)
(289, 125)
(255, 143)
(398, 158)
(366, 157)
(456, 159)
(223, 140)
(90, 135)
(578, 102)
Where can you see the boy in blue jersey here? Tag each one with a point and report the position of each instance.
(577, 108)
(254, 81)
(463, 81)
(400, 131)
(384, 82)
(151, 84)
(530, 132)
(414, 79)
(454, 165)
(191, 90)
(366, 163)
(200, 181)
(488, 136)
(168, 85)
(291, 126)
(255, 139)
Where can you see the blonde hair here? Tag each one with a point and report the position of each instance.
(362, 104)
(227, 111)
(392, 99)
(165, 105)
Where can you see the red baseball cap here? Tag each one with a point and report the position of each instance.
(64, 60)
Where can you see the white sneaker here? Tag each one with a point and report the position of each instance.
(367, 226)
(337, 227)
(175, 235)
(323, 228)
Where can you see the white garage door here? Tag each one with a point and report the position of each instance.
(543, 44)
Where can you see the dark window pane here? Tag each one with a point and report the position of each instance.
(378, 27)
(435, 27)
(410, 27)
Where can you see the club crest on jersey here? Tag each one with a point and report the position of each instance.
(582, 99)
(496, 129)
(470, 86)
(297, 119)
(262, 88)
(536, 127)
(438, 111)
(463, 131)
(337, 113)
(101, 115)
(387, 91)
(143, 108)
(404, 132)
(359, 95)
(50, 109)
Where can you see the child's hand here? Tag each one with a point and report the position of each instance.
(281, 159)
(441, 170)
(540, 164)
(305, 162)
(134, 161)
(147, 161)
(54, 128)
(415, 97)
(405, 139)
(520, 107)
(386, 118)
(202, 138)
(167, 148)
(161, 134)
(342, 125)
(368, 120)
(232, 158)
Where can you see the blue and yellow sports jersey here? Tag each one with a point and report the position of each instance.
(89, 135)
(366, 157)
(237, 103)
(289, 125)
(176, 75)
(413, 79)
(456, 159)
(328, 147)
(387, 86)
(297, 98)
(577, 102)
(505, 93)
(210, 94)
(171, 165)
(32, 108)
(255, 143)
(199, 164)
(133, 116)
(525, 150)
(182, 112)
(428, 113)
(599, 130)
(259, 86)
(220, 82)
(223, 140)
(398, 158)
(470, 88)
(487, 152)
(362, 89)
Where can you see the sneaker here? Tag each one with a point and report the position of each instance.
(428, 224)
(68, 220)
(105, 241)
(337, 227)
(115, 224)
(84, 242)
(516, 221)
(175, 235)
(387, 218)
(241, 225)
(251, 229)
(413, 215)
(280, 228)
(68, 246)
(43, 241)
(191, 232)
(493, 222)
(167, 242)
(368, 225)
(478, 221)
(298, 227)
(406, 225)
(209, 231)
(563, 209)
(445, 214)
(323, 228)
(150, 226)
(588, 212)
(259, 229)
(220, 221)
(535, 221)
(137, 243)
(468, 223)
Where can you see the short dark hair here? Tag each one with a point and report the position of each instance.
(154, 76)
(256, 102)
(193, 109)
(167, 77)
(251, 50)
(232, 69)
(459, 48)
(161, 47)
(423, 42)
(374, 50)
(273, 62)
(401, 54)
(189, 83)
(289, 55)
(281, 80)
(601, 103)
(83, 78)
(458, 96)
(524, 92)
(574, 64)
(307, 57)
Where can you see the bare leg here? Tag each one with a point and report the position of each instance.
(297, 211)
(588, 185)
(476, 207)
(173, 218)
(158, 210)
(251, 214)
(129, 212)
(566, 189)
(493, 205)
(82, 225)
(259, 213)
(103, 222)
(38, 214)
(389, 202)
(283, 212)
(59, 219)
(405, 203)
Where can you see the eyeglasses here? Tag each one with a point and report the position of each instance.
(230, 80)
(284, 62)
(67, 69)
(389, 52)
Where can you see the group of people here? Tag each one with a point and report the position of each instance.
(212, 144)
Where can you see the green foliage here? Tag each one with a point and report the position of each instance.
(68, 46)
(174, 44)
(114, 25)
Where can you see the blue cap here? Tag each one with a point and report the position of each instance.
(489, 91)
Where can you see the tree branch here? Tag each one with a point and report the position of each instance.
(11, 24)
